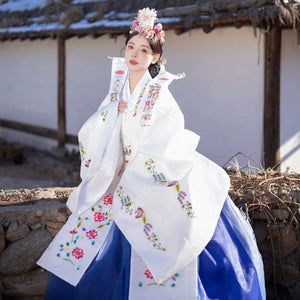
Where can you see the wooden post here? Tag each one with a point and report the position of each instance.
(272, 98)
(61, 92)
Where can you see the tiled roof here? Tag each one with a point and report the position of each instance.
(23, 19)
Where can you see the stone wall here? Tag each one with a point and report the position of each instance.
(29, 219)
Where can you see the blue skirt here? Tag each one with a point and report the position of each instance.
(230, 266)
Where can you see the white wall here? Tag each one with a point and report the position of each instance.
(88, 76)
(222, 94)
(28, 89)
(290, 102)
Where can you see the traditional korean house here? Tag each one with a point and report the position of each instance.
(241, 59)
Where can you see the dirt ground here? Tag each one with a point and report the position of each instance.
(39, 169)
(25, 176)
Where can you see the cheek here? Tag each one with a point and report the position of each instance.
(147, 58)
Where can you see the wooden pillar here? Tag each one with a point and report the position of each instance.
(61, 136)
(272, 98)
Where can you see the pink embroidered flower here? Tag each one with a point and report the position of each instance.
(77, 253)
(99, 217)
(108, 199)
(74, 231)
(91, 234)
(148, 274)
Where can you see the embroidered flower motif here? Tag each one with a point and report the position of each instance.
(104, 115)
(140, 214)
(74, 231)
(140, 99)
(99, 217)
(91, 234)
(148, 274)
(127, 153)
(108, 199)
(77, 253)
(150, 282)
(82, 152)
(87, 163)
(160, 178)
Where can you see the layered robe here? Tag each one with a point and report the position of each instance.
(141, 173)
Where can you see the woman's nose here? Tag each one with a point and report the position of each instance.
(134, 53)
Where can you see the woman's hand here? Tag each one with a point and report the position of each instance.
(122, 106)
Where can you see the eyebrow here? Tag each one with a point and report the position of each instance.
(141, 45)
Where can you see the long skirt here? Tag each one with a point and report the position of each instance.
(230, 267)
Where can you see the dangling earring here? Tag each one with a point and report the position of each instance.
(122, 52)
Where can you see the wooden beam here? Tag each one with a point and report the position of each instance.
(36, 130)
(61, 92)
(272, 98)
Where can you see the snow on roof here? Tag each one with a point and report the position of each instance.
(46, 18)
(21, 5)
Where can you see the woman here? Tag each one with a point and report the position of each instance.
(151, 218)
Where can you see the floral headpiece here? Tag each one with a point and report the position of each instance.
(144, 25)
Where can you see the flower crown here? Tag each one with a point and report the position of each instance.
(144, 25)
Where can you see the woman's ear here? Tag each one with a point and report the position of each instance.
(155, 58)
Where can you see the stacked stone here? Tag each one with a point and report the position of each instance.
(26, 229)
(273, 205)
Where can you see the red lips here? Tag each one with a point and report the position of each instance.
(133, 62)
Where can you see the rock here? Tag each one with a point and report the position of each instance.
(2, 240)
(260, 230)
(54, 227)
(39, 213)
(33, 220)
(21, 219)
(59, 172)
(21, 256)
(285, 239)
(30, 284)
(295, 290)
(286, 274)
(61, 218)
(16, 231)
(35, 226)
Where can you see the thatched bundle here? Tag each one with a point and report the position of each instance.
(271, 201)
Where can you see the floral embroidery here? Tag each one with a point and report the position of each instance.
(108, 199)
(82, 152)
(140, 99)
(77, 253)
(87, 229)
(87, 163)
(103, 115)
(149, 280)
(116, 85)
(83, 156)
(99, 217)
(91, 234)
(152, 96)
(148, 274)
(127, 152)
(128, 205)
(160, 178)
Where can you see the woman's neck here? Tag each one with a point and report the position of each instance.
(134, 78)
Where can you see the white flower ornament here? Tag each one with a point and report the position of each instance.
(144, 25)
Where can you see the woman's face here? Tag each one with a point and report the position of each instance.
(139, 55)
